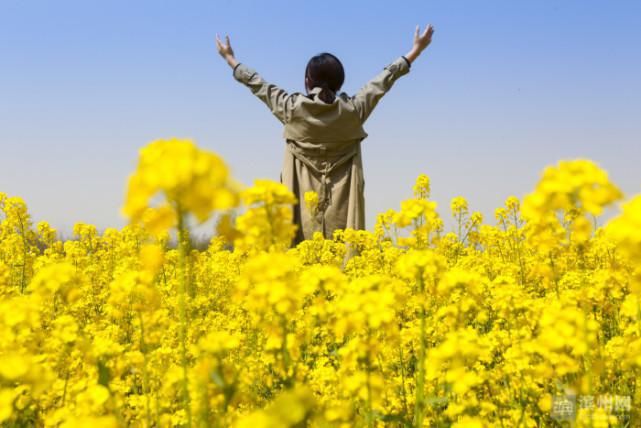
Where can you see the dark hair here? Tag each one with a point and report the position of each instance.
(326, 71)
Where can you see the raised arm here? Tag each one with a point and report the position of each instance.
(369, 95)
(277, 100)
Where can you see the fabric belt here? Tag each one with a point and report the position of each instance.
(324, 195)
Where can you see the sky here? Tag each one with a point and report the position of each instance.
(505, 89)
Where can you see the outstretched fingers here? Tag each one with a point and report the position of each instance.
(224, 48)
(430, 29)
(220, 44)
(425, 35)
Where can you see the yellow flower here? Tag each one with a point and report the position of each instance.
(151, 257)
(475, 328)
(458, 205)
(311, 201)
(625, 229)
(268, 223)
(7, 396)
(13, 366)
(422, 187)
(191, 180)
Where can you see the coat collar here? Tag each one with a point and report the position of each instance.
(316, 90)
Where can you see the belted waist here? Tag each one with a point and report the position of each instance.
(331, 160)
(322, 150)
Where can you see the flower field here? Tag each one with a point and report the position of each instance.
(530, 319)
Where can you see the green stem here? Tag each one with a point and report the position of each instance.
(420, 380)
(285, 353)
(370, 415)
(403, 390)
(639, 313)
(183, 242)
(23, 275)
(145, 373)
(64, 390)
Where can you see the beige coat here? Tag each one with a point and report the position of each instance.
(323, 147)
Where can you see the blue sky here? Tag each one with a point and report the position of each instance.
(506, 88)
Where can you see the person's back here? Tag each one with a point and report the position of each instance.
(324, 154)
(323, 131)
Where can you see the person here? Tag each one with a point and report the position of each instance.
(323, 130)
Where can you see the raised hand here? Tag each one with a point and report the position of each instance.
(225, 50)
(423, 40)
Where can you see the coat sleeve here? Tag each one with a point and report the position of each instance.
(369, 95)
(277, 100)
